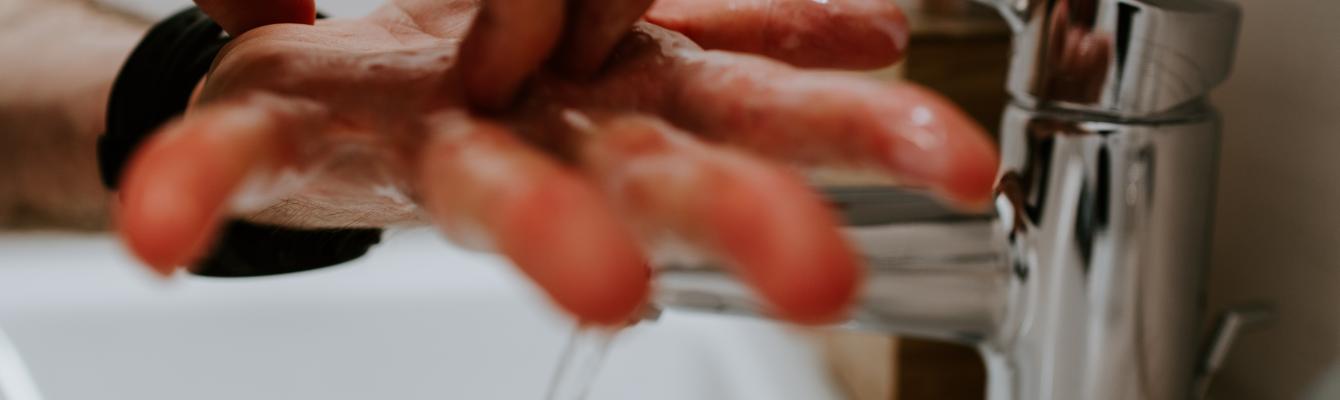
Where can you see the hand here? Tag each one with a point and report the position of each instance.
(363, 122)
(510, 39)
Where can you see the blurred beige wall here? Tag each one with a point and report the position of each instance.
(1278, 218)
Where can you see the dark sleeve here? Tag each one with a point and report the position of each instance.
(154, 86)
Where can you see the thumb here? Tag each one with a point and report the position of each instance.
(238, 16)
(178, 186)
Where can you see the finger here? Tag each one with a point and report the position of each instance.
(594, 27)
(177, 187)
(479, 177)
(853, 34)
(508, 41)
(818, 117)
(759, 219)
(238, 16)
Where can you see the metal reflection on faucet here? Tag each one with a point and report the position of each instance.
(1121, 58)
(1087, 283)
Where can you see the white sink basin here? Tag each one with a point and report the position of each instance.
(417, 319)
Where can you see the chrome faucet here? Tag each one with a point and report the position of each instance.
(1087, 281)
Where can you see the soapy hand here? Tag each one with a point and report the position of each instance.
(563, 149)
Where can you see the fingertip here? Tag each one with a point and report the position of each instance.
(291, 12)
(817, 287)
(177, 187)
(144, 245)
(819, 303)
(935, 144)
(508, 41)
(762, 221)
(792, 252)
(161, 224)
(894, 29)
(237, 17)
(968, 176)
(971, 179)
(594, 29)
(549, 222)
(576, 250)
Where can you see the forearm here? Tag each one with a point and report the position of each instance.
(58, 58)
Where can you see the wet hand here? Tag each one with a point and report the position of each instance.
(381, 121)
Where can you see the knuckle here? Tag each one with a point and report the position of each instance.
(255, 65)
(264, 60)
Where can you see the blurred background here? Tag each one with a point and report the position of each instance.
(420, 319)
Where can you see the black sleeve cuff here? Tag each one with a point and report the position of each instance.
(154, 86)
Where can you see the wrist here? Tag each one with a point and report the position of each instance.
(52, 105)
(87, 65)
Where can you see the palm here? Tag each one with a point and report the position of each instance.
(556, 181)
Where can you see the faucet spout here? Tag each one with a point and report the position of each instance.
(933, 272)
(941, 280)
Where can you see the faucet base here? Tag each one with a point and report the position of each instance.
(1108, 225)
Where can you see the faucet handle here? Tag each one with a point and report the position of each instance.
(1127, 59)
(1230, 323)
